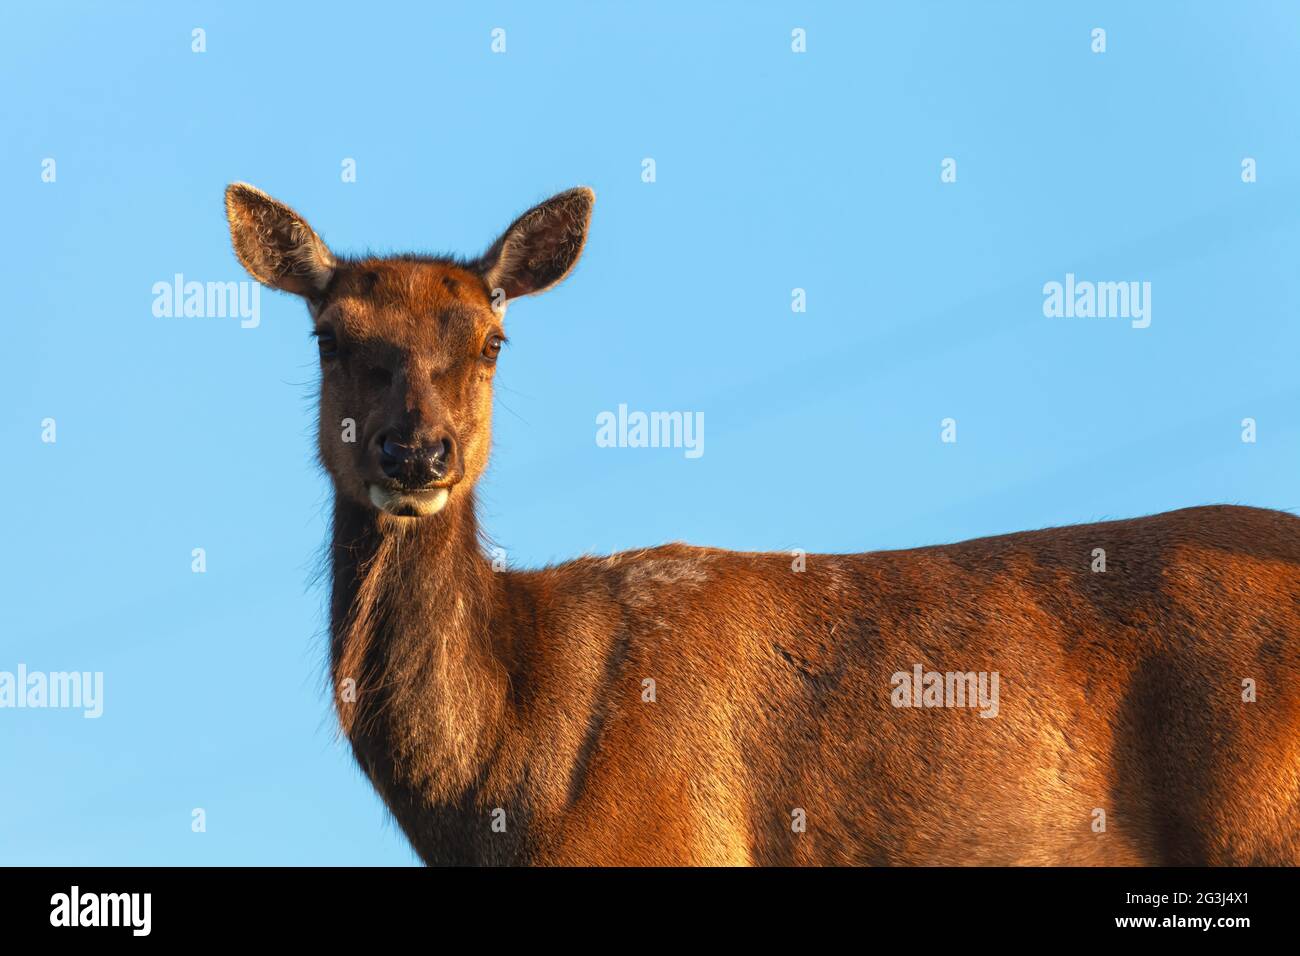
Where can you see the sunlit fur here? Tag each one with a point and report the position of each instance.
(466, 690)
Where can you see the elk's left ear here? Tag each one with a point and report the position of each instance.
(275, 244)
(541, 247)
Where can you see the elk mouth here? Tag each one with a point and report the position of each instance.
(404, 503)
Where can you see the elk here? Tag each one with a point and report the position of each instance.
(689, 705)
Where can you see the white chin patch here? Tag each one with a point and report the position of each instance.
(414, 504)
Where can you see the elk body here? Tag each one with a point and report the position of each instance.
(1146, 713)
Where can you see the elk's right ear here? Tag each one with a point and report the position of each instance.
(275, 244)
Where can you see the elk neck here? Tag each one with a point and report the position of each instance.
(415, 624)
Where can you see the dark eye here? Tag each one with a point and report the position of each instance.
(329, 346)
(492, 347)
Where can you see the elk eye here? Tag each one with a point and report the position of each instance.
(329, 346)
(492, 348)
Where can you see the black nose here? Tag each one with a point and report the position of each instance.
(415, 466)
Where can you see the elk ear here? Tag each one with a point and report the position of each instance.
(275, 244)
(541, 247)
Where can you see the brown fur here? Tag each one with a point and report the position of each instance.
(523, 691)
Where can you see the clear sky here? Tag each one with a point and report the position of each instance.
(774, 171)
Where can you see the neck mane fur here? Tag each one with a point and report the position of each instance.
(418, 649)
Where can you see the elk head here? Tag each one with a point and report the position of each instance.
(408, 344)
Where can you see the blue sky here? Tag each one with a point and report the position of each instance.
(775, 170)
